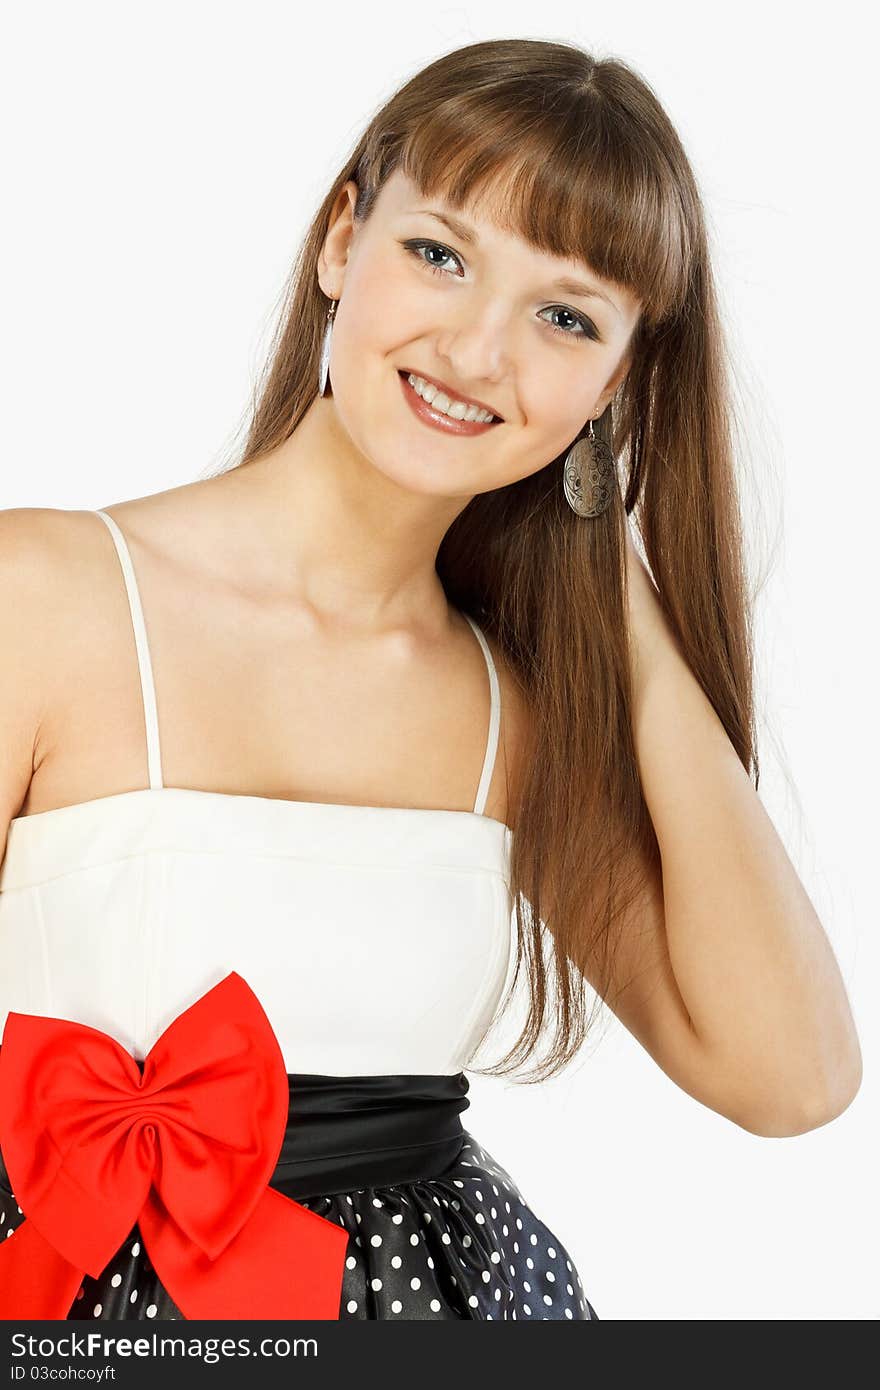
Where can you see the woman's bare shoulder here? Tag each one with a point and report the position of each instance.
(50, 558)
(41, 558)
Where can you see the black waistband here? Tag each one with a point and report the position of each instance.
(346, 1132)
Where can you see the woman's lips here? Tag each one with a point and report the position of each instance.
(436, 418)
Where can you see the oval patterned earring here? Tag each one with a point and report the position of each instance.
(588, 475)
(324, 368)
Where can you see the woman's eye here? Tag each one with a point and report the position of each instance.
(588, 328)
(578, 321)
(417, 247)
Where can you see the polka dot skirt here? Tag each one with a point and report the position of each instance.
(462, 1245)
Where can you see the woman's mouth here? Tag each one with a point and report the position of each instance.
(438, 419)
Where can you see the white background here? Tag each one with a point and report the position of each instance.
(160, 164)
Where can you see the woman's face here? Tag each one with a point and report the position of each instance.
(484, 317)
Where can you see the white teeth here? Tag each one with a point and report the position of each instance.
(457, 410)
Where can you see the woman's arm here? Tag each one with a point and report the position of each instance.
(751, 961)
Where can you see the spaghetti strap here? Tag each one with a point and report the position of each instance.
(494, 721)
(148, 689)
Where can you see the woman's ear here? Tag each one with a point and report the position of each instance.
(333, 255)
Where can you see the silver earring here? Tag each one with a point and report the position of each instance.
(324, 368)
(588, 475)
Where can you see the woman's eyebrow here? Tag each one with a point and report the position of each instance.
(461, 229)
(566, 285)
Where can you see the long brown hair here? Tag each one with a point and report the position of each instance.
(580, 156)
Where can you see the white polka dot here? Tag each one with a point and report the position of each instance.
(547, 1299)
(351, 1262)
(446, 1238)
(134, 1294)
(152, 1310)
(551, 1252)
(569, 1313)
(473, 1300)
(397, 1218)
(116, 1280)
(435, 1305)
(527, 1309)
(551, 1276)
(396, 1306)
(414, 1239)
(136, 1248)
(495, 1257)
(375, 1240)
(351, 1306)
(396, 1262)
(98, 1307)
(533, 1238)
(376, 1284)
(415, 1283)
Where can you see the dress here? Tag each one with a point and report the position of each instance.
(371, 946)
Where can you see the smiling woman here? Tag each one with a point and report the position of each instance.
(421, 690)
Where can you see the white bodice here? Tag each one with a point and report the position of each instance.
(378, 939)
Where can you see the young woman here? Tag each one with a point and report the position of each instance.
(287, 750)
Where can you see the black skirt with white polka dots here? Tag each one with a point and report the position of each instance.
(438, 1230)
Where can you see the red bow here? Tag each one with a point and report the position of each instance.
(186, 1150)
